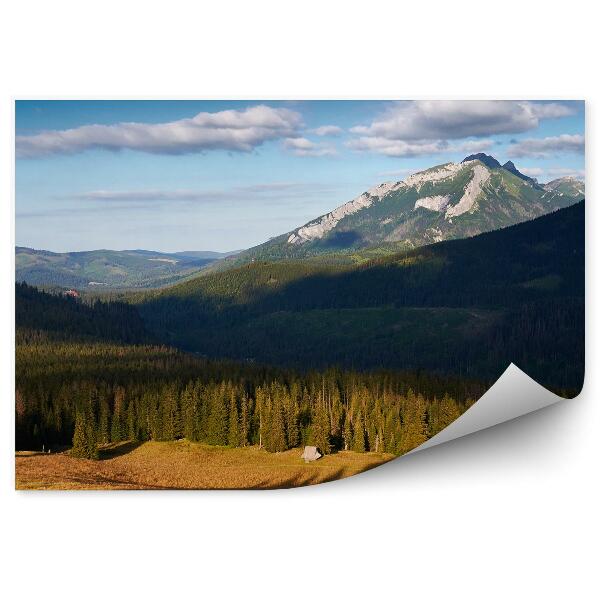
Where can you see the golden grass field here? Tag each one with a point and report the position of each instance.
(185, 465)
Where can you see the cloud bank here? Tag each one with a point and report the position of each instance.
(304, 147)
(426, 126)
(259, 191)
(233, 130)
(328, 130)
(401, 148)
(548, 146)
(454, 119)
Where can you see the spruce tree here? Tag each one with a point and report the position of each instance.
(80, 447)
(84, 437)
(91, 440)
(218, 419)
(233, 433)
(347, 432)
(103, 431)
(320, 428)
(188, 409)
(244, 421)
(116, 429)
(359, 435)
(131, 422)
(277, 439)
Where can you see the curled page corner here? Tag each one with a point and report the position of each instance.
(513, 395)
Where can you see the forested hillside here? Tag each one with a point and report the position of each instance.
(59, 317)
(466, 306)
(76, 388)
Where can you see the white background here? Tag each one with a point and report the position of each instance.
(507, 513)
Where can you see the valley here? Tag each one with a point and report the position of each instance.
(363, 333)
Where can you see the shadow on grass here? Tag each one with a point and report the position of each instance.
(97, 481)
(117, 449)
(305, 479)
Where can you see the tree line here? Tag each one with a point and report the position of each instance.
(346, 414)
(87, 395)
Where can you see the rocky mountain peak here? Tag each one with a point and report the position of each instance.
(486, 159)
(510, 166)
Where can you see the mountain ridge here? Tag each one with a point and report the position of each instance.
(98, 269)
(447, 201)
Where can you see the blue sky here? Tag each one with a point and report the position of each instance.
(224, 175)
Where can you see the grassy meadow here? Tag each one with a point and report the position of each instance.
(185, 465)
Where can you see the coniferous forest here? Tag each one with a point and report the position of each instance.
(90, 393)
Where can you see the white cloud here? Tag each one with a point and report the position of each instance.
(454, 119)
(397, 148)
(549, 173)
(556, 172)
(532, 171)
(471, 146)
(303, 147)
(234, 130)
(327, 130)
(548, 146)
(550, 110)
(264, 191)
(401, 148)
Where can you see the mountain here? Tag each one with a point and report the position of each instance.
(449, 201)
(566, 186)
(467, 307)
(510, 166)
(486, 159)
(99, 269)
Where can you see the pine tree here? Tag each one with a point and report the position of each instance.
(91, 437)
(116, 429)
(413, 431)
(244, 421)
(188, 409)
(233, 433)
(291, 423)
(84, 439)
(448, 412)
(347, 432)
(359, 444)
(103, 431)
(131, 422)
(320, 428)
(218, 419)
(277, 439)
(80, 447)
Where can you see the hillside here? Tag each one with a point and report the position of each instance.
(50, 316)
(449, 201)
(466, 306)
(100, 269)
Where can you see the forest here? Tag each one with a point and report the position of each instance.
(117, 393)
(467, 307)
(374, 357)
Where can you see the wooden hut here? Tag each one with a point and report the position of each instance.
(310, 453)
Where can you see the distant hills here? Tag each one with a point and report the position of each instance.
(467, 307)
(99, 269)
(448, 201)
